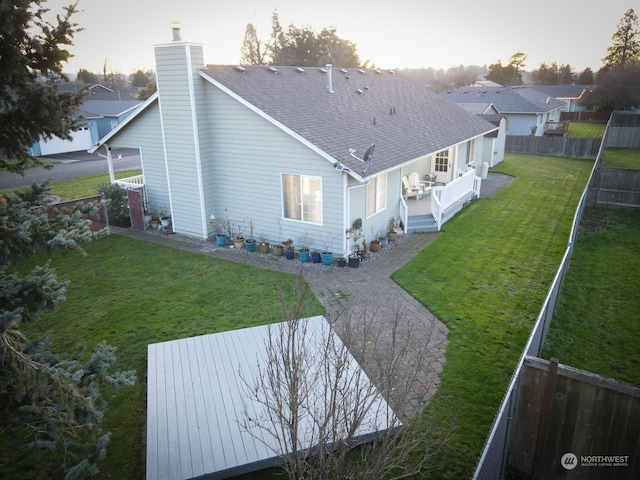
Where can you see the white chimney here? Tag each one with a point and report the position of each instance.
(175, 28)
(329, 78)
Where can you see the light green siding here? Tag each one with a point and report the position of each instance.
(246, 156)
(176, 69)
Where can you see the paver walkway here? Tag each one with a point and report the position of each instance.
(368, 309)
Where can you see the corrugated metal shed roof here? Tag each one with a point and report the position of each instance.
(196, 403)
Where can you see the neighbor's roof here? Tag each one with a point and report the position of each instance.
(506, 99)
(562, 91)
(478, 108)
(403, 119)
(108, 108)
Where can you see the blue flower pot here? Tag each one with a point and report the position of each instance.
(221, 240)
(250, 245)
(326, 257)
(303, 255)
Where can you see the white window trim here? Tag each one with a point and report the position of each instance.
(282, 190)
(377, 208)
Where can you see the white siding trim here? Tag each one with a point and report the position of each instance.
(196, 138)
(164, 151)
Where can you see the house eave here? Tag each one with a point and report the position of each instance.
(140, 108)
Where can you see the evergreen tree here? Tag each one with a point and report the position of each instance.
(297, 46)
(253, 51)
(509, 75)
(626, 42)
(553, 74)
(31, 57)
(48, 404)
(51, 405)
(585, 77)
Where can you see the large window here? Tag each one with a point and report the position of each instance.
(302, 198)
(377, 194)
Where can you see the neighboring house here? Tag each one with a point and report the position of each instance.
(488, 111)
(526, 110)
(570, 94)
(100, 112)
(281, 149)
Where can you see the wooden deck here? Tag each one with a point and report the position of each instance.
(195, 405)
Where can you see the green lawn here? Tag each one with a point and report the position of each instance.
(486, 278)
(595, 327)
(586, 129)
(83, 186)
(132, 293)
(621, 158)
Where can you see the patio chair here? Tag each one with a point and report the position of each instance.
(414, 181)
(410, 190)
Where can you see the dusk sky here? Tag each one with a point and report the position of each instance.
(391, 34)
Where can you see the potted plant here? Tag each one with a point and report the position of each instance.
(303, 251)
(375, 245)
(355, 233)
(342, 262)
(315, 257)
(392, 235)
(250, 243)
(263, 245)
(289, 252)
(154, 223)
(219, 224)
(278, 250)
(327, 243)
(165, 219)
(238, 236)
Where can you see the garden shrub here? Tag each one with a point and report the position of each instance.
(117, 204)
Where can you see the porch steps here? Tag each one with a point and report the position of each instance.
(421, 224)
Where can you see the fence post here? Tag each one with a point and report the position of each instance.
(545, 416)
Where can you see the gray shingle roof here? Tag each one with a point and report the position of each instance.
(108, 108)
(506, 99)
(404, 120)
(561, 91)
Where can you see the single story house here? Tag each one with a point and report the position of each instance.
(527, 110)
(490, 113)
(570, 94)
(287, 152)
(102, 110)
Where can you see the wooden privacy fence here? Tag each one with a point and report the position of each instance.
(588, 421)
(555, 146)
(614, 187)
(623, 130)
(99, 221)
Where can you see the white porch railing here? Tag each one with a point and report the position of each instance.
(450, 198)
(136, 181)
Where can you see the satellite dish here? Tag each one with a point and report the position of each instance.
(369, 152)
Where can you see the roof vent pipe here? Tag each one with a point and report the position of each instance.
(329, 78)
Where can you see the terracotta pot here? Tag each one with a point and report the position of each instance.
(278, 250)
(238, 242)
(374, 246)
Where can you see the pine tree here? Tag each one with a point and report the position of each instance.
(31, 57)
(48, 404)
(51, 405)
(626, 42)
